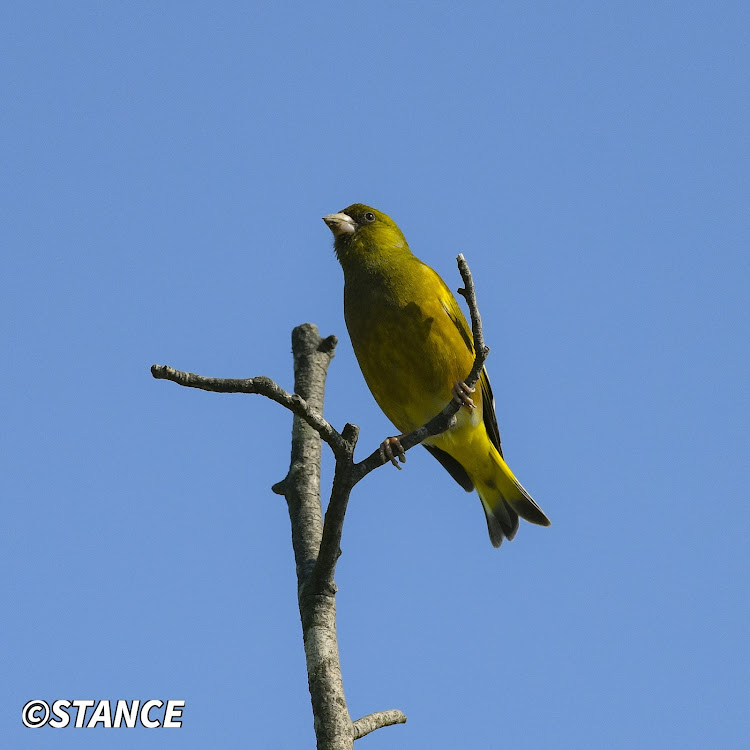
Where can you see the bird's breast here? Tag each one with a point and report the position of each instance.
(408, 349)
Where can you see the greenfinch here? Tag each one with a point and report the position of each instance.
(415, 349)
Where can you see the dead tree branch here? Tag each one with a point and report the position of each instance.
(371, 722)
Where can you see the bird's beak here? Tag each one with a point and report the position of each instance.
(340, 224)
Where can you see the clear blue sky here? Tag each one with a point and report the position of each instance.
(165, 167)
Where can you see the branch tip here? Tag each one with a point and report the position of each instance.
(261, 385)
(350, 433)
(378, 720)
(327, 345)
(280, 487)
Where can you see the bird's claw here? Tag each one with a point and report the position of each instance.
(461, 395)
(391, 449)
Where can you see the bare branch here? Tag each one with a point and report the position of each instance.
(263, 386)
(302, 489)
(301, 485)
(371, 722)
(469, 294)
(321, 578)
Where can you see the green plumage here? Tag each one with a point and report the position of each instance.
(413, 343)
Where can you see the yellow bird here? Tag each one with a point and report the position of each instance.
(415, 348)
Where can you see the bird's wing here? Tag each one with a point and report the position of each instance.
(453, 311)
(452, 466)
(488, 400)
(488, 411)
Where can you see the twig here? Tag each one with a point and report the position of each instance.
(469, 294)
(263, 386)
(371, 722)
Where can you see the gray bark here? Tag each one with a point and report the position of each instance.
(317, 605)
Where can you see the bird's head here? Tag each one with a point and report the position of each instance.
(363, 234)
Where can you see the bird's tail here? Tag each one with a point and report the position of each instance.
(504, 500)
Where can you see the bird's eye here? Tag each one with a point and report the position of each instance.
(369, 217)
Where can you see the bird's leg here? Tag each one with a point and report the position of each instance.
(461, 393)
(391, 449)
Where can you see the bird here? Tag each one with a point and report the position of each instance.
(415, 349)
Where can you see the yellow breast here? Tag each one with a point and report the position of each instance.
(408, 347)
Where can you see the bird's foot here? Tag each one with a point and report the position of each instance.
(461, 395)
(391, 449)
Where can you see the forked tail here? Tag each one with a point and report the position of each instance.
(504, 499)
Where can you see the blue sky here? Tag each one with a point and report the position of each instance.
(165, 170)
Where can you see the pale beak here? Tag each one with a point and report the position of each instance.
(340, 224)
